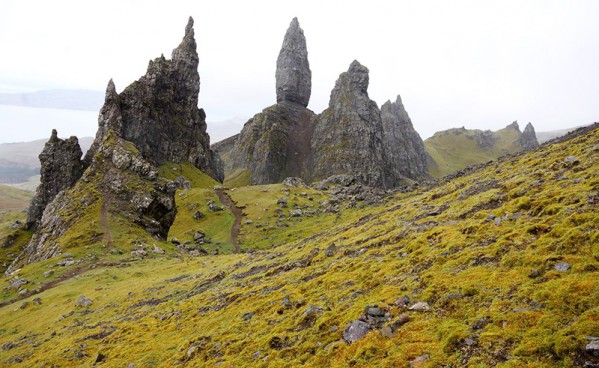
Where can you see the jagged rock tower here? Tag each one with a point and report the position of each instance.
(61, 167)
(275, 143)
(528, 139)
(403, 146)
(348, 138)
(153, 121)
(159, 112)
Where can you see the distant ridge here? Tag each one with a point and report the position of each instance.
(65, 99)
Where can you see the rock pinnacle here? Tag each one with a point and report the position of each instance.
(293, 76)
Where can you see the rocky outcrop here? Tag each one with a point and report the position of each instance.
(275, 143)
(293, 76)
(119, 183)
(528, 139)
(61, 167)
(348, 138)
(159, 112)
(404, 149)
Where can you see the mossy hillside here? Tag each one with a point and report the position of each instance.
(193, 175)
(13, 199)
(443, 245)
(455, 149)
(267, 224)
(216, 225)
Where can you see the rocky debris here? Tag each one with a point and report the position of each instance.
(282, 202)
(330, 251)
(293, 76)
(562, 266)
(348, 137)
(159, 112)
(61, 167)
(355, 330)
(49, 273)
(296, 213)
(214, 207)
(156, 249)
(418, 362)
(420, 307)
(139, 253)
(592, 347)
(182, 183)
(175, 241)
(403, 147)
(375, 316)
(485, 139)
(534, 273)
(197, 215)
(528, 139)
(83, 301)
(309, 317)
(294, 182)
(17, 282)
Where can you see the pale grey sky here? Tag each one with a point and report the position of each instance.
(476, 63)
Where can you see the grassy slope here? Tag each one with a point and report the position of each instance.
(433, 245)
(13, 199)
(455, 149)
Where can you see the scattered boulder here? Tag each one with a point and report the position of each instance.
(296, 213)
(592, 347)
(294, 182)
(49, 273)
(282, 202)
(197, 215)
(355, 330)
(534, 273)
(175, 241)
(17, 282)
(140, 253)
(83, 301)
(420, 307)
(214, 207)
(562, 266)
(330, 251)
(156, 249)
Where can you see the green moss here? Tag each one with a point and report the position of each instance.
(192, 174)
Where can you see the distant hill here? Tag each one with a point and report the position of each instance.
(19, 161)
(13, 199)
(543, 137)
(57, 99)
(454, 149)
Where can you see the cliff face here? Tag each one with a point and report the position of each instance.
(403, 146)
(159, 112)
(61, 167)
(348, 138)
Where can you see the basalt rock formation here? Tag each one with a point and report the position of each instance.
(61, 167)
(403, 146)
(275, 143)
(159, 112)
(118, 184)
(528, 139)
(348, 138)
(293, 76)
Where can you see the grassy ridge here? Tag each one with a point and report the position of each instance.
(481, 250)
(13, 199)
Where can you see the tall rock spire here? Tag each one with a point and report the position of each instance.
(293, 76)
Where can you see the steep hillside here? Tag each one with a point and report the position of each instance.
(454, 149)
(497, 267)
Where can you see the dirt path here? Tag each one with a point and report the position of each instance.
(104, 224)
(237, 212)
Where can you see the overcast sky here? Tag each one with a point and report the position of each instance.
(481, 64)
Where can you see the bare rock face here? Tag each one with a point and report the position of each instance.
(275, 144)
(348, 138)
(528, 139)
(159, 112)
(293, 76)
(61, 167)
(404, 149)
